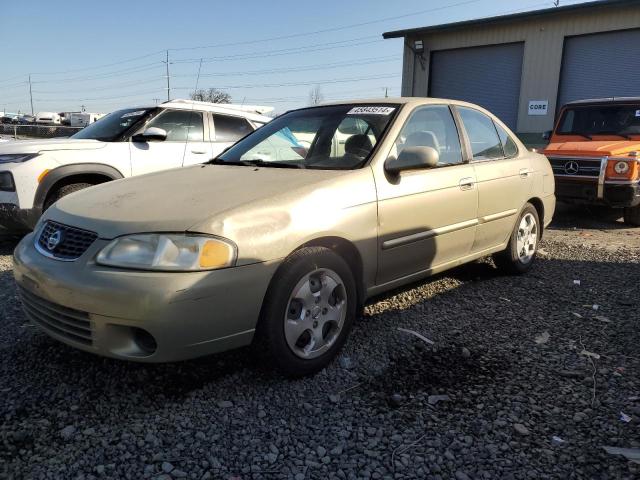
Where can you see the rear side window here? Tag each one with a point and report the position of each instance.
(230, 129)
(508, 145)
(485, 143)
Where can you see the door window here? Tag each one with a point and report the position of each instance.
(485, 144)
(508, 145)
(230, 129)
(432, 126)
(180, 125)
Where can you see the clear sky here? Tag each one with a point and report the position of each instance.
(105, 55)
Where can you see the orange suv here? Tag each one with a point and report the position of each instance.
(595, 154)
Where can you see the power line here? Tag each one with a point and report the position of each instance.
(327, 30)
(116, 73)
(294, 84)
(97, 67)
(286, 51)
(345, 63)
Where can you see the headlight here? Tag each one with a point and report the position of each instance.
(169, 252)
(621, 167)
(6, 182)
(17, 157)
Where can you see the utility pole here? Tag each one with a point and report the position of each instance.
(168, 85)
(156, 100)
(386, 92)
(30, 95)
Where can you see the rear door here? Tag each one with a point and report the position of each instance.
(502, 175)
(185, 143)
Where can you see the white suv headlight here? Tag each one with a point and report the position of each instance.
(168, 252)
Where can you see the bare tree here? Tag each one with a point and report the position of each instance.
(212, 95)
(316, 96)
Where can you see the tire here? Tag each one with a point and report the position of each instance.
(520, 253)
(632, 216)
(63, 192)
(307, 313)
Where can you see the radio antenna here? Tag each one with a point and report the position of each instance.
(186, 140)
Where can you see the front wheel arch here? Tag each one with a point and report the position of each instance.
(77, 173)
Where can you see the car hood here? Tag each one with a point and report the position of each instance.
(196, 198)
(598, 148)
(35, 146)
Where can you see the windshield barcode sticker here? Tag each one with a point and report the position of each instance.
(137, 113)
(371, 110)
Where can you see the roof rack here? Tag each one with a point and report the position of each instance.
(262, 110)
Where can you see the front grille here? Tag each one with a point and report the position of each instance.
(586, 167)
(66, 322)
(63, 242)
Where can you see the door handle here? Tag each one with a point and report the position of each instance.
(524, 172)
(199, 152)
(466, 183)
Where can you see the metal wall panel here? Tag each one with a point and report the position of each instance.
(544, 38)
(488, 76)
(600, 65)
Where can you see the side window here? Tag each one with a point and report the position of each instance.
(485, 144)
(180, 125)
(432, 126)
(230, 129)
(508, 145)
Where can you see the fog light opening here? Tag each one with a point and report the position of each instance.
(144, 340)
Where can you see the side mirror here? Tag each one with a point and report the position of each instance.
(547, 135)
(151, 134)
(413, 158)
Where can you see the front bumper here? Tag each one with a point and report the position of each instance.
(188, 314)
(16, 220)
(588, 192)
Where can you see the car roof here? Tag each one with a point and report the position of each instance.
(606, 100)
(251, 112)
(403, 101)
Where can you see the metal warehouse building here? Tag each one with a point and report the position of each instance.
(524, 67)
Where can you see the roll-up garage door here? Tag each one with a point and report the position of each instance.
(600, 65)
(488, 76)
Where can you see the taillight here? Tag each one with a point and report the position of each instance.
(619, 169)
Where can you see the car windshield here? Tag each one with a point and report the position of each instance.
(113, 126)
(336, 137)
(621, 120)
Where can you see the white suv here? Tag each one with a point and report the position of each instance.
(36, 173)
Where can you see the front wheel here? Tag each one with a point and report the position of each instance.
(521, 251)
(632, 216)
(308, 311)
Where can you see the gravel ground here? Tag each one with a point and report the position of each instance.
(505, 376)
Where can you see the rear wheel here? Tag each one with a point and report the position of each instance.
(308, 311)
(63, 191)
(632, 216)
(521, 251)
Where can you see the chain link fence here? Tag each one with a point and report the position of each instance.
(22, 132)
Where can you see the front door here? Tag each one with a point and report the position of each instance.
(426, 217)
(184, 144)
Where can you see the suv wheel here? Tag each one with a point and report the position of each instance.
(63, 192)
(523, 244)
(308, 311)
(632, 216)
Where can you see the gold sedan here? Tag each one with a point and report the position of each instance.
(280, 240)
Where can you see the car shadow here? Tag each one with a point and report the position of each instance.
(573, 217)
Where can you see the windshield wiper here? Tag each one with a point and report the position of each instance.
(255, 163)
